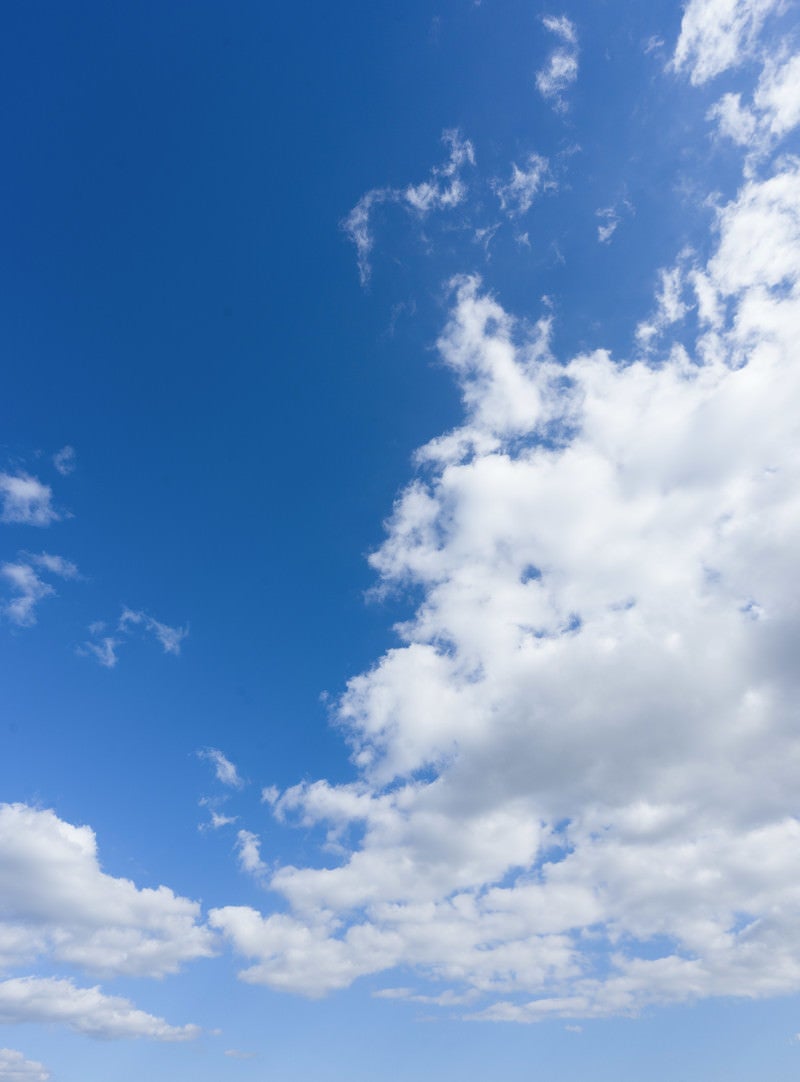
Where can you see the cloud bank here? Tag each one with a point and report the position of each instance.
(576, 773)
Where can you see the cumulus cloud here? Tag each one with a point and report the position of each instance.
(65, 460)
(28, 587)
(56, 902)
(48, 1000)
(772, 114)
(26, 500)
(719, 34)
(561, 68)
(575, 787)
(224, 770)
(517, 194)
(15, 1068)
(248, 847)
(443, 190)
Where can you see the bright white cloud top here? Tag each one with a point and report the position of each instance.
(577, 775)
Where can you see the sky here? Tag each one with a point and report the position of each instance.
(398, 512)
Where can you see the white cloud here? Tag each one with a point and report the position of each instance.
(443, 190)
(610, 218)
(773, 113)
(15, 1068)
(56, 901)
(103, 650)
(670, 305)
(248, 846)
(26, 500)
(170, 638)
(561, 69)
(235, 1053)
(719, 34)
(27, 585)
(576, 772)
(224, 769)
(65, 460)
(561, 27)
(518, 193)
(48, 1000)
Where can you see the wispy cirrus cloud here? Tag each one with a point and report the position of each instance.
(561, 69)
(518, 193)
(443, 190)
(224, 770)
(23, 578)
(104, 643)
(65, 460)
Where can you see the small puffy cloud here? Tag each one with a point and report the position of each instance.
(517, 194)
(48, 1001)
(224, 769)
(15, 1068)
(443, 190)
(28, 587)
(65, 460)
(719, 34)
(248, 846)
(561, 69)
(55, 901)
(26, 500)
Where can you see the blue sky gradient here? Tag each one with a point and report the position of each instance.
(292, 668)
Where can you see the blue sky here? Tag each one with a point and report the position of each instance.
(398, 509)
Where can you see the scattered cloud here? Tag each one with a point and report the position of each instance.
(15, 1068)
(56, 902)
(772, 114)
(48, 1000)
(104, 646)
(518, 193)
(610, 217)
(443, 190)
(719, 34)
(235, 1053)
(65, 460)
(248, 846)
(26, 500)
(224, 770)
(561, 69)
(576, 771)
(170, 638)
(28, 587)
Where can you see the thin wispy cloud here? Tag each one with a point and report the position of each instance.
(65, 460)
(224, 770)
(27, 586)
(518, 193)
(443, 190)
(561, 68)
